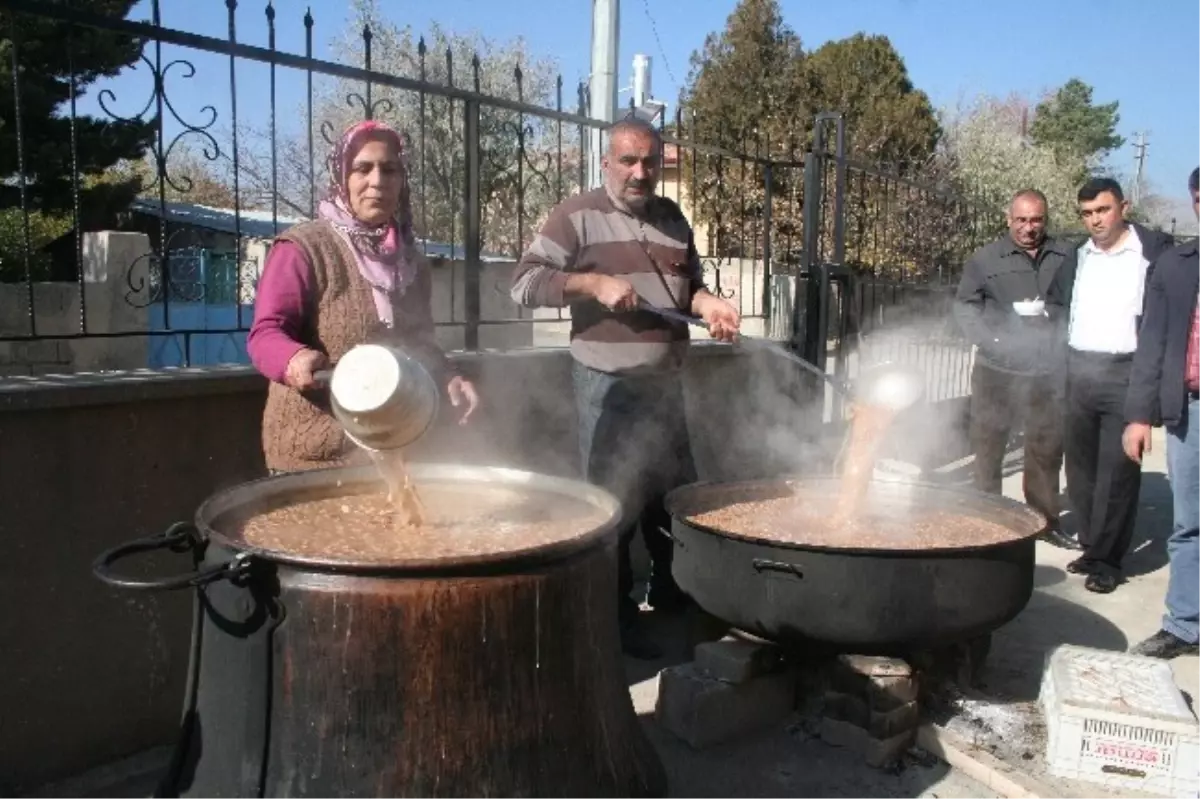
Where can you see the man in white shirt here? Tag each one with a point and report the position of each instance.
(1097, 299)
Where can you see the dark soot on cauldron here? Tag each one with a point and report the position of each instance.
(461, 521)
(791, 513)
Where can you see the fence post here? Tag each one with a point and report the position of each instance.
(839, 194)
(768, 178)
(810, 311)
(472, 233)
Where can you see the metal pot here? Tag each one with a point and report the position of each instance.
(859, 600)
(495, 674)
(383, 398)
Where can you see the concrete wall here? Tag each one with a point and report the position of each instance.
(116, 293)
(107, 302)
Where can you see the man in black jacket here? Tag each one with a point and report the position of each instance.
(1096, 303)
(999, 309)
(1164, 388)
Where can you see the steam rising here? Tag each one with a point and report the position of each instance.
(751, 412)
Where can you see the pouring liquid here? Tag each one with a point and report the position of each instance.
(860, 451)
(402, 494)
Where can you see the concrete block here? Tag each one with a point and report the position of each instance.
(884, 683)
(874, 666)
(881, 724)
(703, 710)
(736, 660)
(878, 753)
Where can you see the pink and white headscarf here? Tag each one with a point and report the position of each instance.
(383, 253)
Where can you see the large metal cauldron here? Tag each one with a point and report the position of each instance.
(493, 675)
(857, 600)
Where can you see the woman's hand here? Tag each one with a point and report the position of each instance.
(302, 367)
(462, 392)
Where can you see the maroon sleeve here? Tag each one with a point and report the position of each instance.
(280, 304)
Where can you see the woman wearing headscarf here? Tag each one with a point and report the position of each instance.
(352, 275)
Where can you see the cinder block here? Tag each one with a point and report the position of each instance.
(703, 710)
(735, 660)
(876, 752)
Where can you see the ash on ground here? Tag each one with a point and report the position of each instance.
(1012, 731)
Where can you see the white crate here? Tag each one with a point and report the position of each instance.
(1119, 720)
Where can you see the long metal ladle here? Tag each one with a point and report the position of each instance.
(893, 385)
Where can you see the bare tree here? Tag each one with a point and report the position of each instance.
(527, 162)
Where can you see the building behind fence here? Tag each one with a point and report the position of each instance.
(843, 260)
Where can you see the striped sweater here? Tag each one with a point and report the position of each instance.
(591, 232)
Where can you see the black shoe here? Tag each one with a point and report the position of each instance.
(1081, 566)
(1100, 583)
(1054, 536)
(1164, 645)
(637, 644)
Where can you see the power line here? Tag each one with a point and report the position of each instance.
(658, 41)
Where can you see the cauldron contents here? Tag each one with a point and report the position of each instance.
(460, 521)
(808, 518)
(868, 423)
(409, 510)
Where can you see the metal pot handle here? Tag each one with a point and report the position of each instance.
(760, 565)
(674, 539)
(179, 537)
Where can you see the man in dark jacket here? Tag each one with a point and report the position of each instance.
(999, 308)
(1164, 389)
(1096, 302)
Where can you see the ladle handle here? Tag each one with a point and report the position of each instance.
(322, 376)
(672, 314)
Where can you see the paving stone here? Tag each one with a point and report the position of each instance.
(878, 753)
(703, 710)
(736, 660)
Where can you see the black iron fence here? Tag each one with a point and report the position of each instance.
(829, 253)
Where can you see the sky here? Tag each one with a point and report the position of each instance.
(1148, 60)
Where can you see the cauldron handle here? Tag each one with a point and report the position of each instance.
(179, 537)
(671, 536)
(760, 565)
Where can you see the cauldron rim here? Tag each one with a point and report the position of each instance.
(240, 499)
(1000, 504)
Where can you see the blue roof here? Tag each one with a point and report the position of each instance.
(261, 224)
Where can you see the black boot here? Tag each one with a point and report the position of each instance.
(1164, 645)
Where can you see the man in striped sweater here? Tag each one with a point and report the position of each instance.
(603, 253)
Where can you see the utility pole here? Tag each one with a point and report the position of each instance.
(1139, 147)
(606, 16)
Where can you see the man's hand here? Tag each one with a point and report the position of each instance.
(302, 366)
(722, 319)
(462, 392)
(1136, 440)
(614, 293)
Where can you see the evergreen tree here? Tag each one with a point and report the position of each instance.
(865, 79)
(745, 93)
(1080, 133)
(49, 55)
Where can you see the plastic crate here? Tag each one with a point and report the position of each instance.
(1119, 720)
